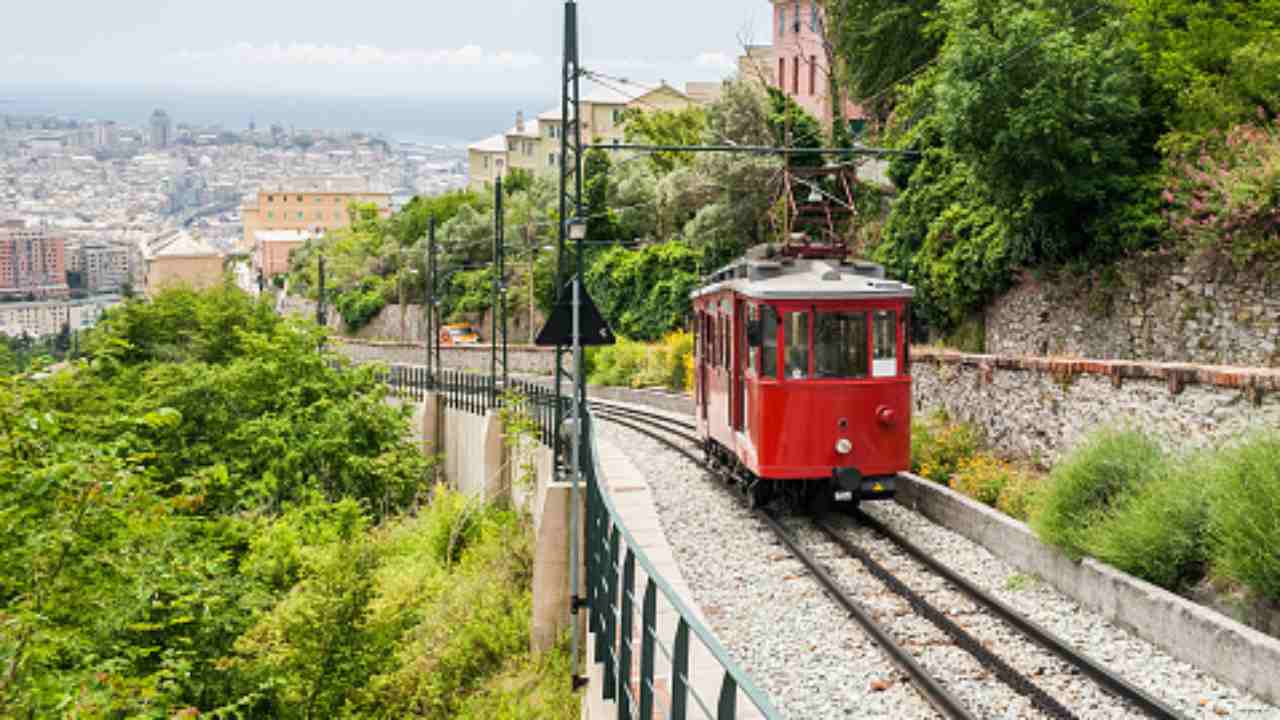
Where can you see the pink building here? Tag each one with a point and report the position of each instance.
(800, 63)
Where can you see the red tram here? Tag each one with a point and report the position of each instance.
(803, 382)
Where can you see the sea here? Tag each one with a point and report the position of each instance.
(439, 120)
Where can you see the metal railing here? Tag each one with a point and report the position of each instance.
(612, 556)
(477, 394)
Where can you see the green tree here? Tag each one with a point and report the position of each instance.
(880, 43)
(686, 126)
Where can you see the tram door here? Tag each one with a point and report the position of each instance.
(704, 346)
(739, 379)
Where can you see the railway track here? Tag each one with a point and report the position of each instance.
(677, 435)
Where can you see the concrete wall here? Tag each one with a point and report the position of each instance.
(1038, 408)
(478, 461)
(474, 460)
(1156, 307)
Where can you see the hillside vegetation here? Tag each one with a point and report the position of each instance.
(1051, 135)
(203, 517)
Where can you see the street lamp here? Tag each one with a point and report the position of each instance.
(577, 229)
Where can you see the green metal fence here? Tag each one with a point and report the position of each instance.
(632, 680)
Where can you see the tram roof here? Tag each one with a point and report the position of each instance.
(801, 279)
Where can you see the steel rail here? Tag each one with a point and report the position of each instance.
(1109, 681)
(1122, 688)
(1015, 680)
(931, 689)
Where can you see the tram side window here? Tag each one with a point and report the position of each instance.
(751, 331)
(798, 345)
(885, 328)
(840, 345)
(769, 342)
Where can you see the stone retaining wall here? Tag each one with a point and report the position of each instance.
(521, 359)
(1154, 307)
(1037, 408)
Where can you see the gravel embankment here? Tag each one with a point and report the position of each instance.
(813, 660)
(818, 663)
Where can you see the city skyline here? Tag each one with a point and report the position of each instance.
(428, 50)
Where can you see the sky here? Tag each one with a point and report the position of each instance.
(374, 48)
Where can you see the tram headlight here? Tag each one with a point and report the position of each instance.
(843, 446)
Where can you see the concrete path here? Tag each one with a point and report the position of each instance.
(629, 490)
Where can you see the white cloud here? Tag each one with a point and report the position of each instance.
(295, 54)
(716, 60)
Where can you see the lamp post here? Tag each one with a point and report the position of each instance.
(576, 231)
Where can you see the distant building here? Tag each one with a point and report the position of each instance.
(41, 319)
(796, 63)
(178, 258)
(104, 267)
(272, 248)
(106, 134)
(315, 204)
(32, 262)
(535, 146)
(161, 130)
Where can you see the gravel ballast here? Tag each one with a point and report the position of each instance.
(816, 662)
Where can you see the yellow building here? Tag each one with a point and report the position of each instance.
(315, 204)
(179, 258)
(535, 146)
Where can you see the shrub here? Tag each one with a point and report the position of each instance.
(1019, 495)
(1222, 197)
(1090, 480)
(938, 446)
(1157, 531)
(1244, 515)
(633, 364)
(983, 477)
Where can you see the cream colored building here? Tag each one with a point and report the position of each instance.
(317, 204)
(178, 258)
(535, 145)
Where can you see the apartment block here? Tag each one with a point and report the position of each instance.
(535, 145)
(32, 262)
(797, 63)
(313, 204)
(41, 319)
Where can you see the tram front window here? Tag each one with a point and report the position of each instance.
(769, 342)
(797, 339)
(840, 344)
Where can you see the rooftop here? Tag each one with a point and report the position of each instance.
(329, 184)
(495, 144)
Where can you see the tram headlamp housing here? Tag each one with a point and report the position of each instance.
(843, 446)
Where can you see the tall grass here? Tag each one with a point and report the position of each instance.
(1156, 531)
(1092, 481)
(1244, 514)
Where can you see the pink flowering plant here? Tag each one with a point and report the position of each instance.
(1223, 198)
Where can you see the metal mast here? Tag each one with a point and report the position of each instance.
(571, 209)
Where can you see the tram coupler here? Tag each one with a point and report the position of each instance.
(850, 484)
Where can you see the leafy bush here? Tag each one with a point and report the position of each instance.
(1244, 515)
(1096, 477)
(983, 477)
(668, 364)
(1223, 197)
(1020, 495)
(644, 293)
(362, 304)
(939, 446)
